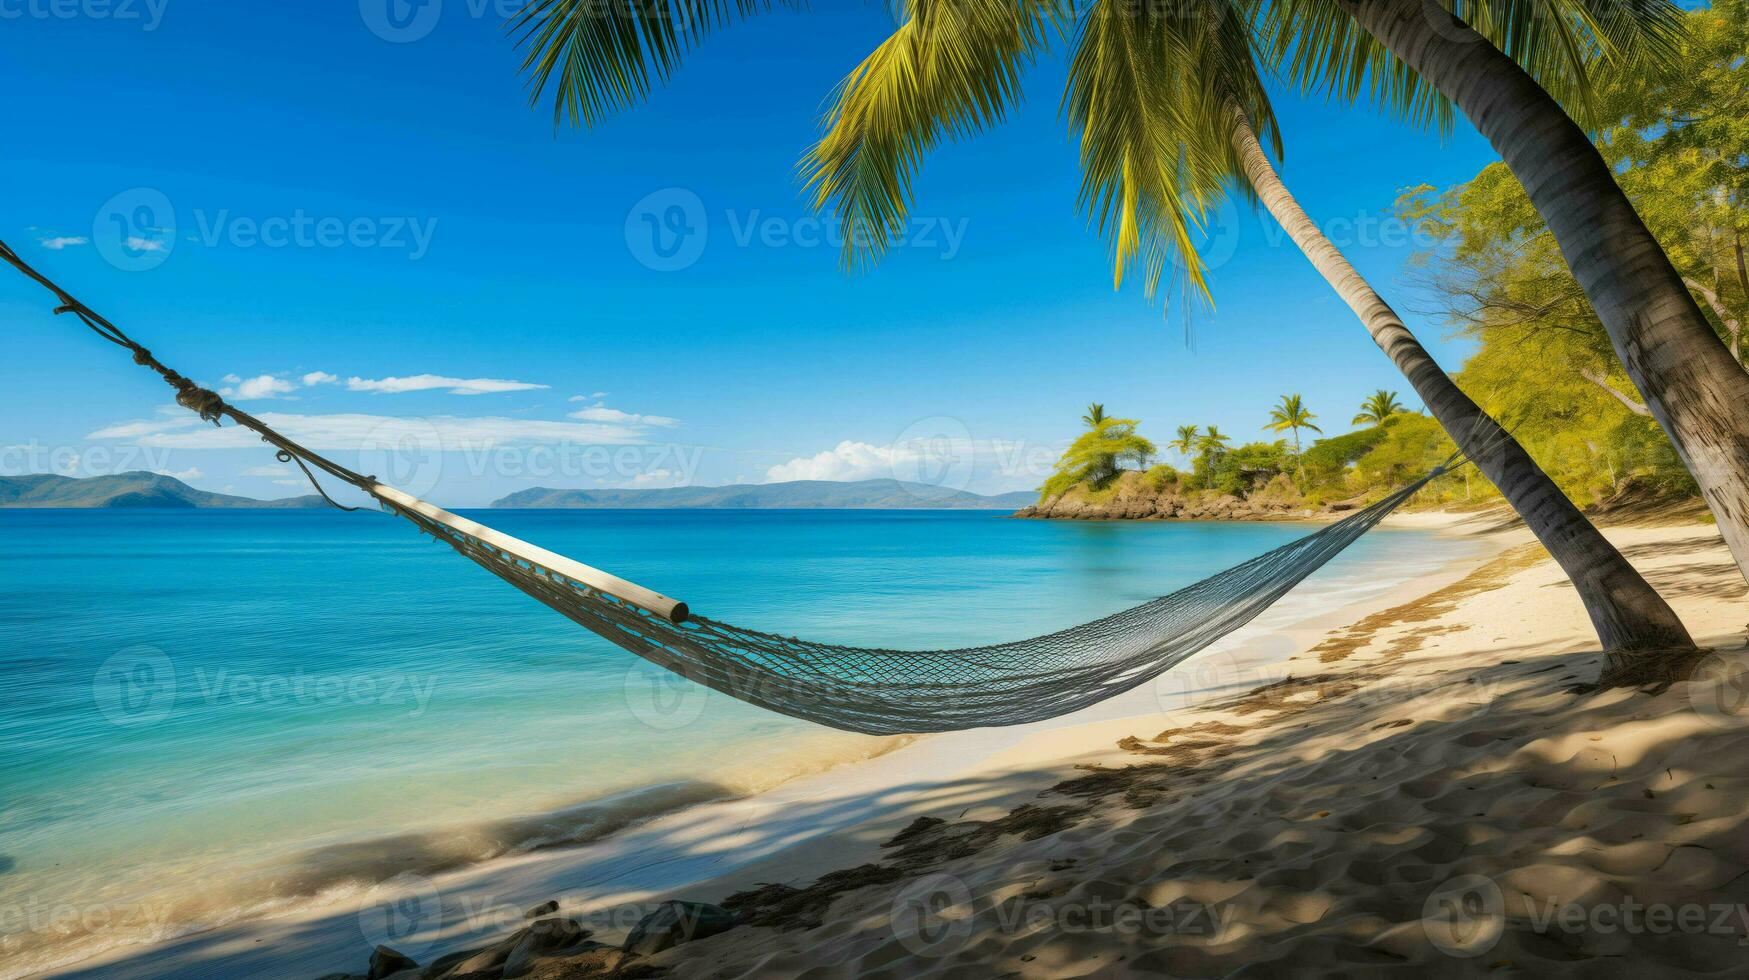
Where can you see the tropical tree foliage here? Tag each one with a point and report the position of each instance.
(1098, 455)
(1186, 443)
(1544, 365)
(1293, 415)
(1379, 405)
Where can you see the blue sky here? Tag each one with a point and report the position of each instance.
(388, 252)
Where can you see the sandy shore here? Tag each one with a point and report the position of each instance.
(1421, 792)
(1311, 796)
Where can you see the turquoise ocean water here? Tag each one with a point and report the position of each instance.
(207, 714)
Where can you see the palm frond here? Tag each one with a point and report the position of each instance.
(600, 57)
(1563, 44)
(951, 69)
(1150, 94)
(1318, 46)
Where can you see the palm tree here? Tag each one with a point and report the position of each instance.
(1095, 415)
(1690, 381)
(1170, 110)
(1097, 457)
(1626, 611)
(1186, 441)
(1379, 405)
(1291, 414)
(1210, 447)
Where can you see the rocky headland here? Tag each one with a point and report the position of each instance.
(1134, 496)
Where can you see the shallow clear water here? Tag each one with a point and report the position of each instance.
(211, 712)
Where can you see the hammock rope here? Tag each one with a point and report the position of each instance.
(869, 690)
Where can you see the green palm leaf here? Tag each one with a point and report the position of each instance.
(600, 57)
(1563, 44)
(952, 68)
(1148, 94)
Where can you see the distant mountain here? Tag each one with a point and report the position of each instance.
(797, 495)
(125, 490)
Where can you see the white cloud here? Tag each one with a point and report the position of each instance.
(261, 386)
(427, 382)
(355, 431)
(140, 428)
(319, 378)
(848, 461)
(601, 413)
(145, 244)
(594, 397)
(58, 242)
(267, 471)
(947, 459)
(650, 479)
(192, 473)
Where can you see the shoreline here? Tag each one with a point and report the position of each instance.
(723, 842)
(1430, 790)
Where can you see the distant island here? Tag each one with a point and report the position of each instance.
(126, 490)
(795, 495)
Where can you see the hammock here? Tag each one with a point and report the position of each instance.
(874, 691)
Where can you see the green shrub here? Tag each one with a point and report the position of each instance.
(1162, 476)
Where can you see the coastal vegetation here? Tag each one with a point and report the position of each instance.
(1098, 455)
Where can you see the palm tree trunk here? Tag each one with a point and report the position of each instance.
(1627, 613)
(1743, 284)
(1694, 387)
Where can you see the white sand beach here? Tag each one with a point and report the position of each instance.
(1311, 794)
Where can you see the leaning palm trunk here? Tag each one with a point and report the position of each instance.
(1627, 613)
(1692, 385)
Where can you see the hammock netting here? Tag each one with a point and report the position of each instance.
(886, 692)
(875, 691)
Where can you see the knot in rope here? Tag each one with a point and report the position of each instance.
(197, 399)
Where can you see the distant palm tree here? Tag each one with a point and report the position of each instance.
(1380, 405)
(1212, 444)
(1291, 414)
(1186, 441)
(1095, 415)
